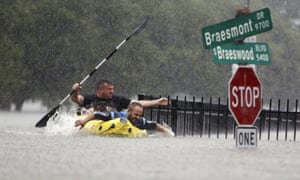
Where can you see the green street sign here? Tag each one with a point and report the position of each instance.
(237, 28)
(250, 53)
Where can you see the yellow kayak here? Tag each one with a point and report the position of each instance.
(116, 127)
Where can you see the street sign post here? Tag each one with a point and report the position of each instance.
(245, 96)
(240, 27)
(250, 53)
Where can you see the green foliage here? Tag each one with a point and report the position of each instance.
(46, 46)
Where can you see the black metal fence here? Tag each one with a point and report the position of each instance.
(211, 117)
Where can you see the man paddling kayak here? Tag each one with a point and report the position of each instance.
(105, 92)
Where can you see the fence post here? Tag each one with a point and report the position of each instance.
(201, 123)
(287, 119)
(168, 110)
(174, 108)
(226, 119)
(269, 124)
(193, 115)
(295, 120)
(184, 116)
(158, 114)
(209, 116)
(218, 117)
(261, 120)
(278, 120)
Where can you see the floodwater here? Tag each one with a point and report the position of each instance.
(60, 152)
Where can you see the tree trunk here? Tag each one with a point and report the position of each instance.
(19, 105)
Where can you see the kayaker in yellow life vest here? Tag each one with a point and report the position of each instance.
(134, 115)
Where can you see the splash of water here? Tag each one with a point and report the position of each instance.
(62, 123)
(160, 134)
(169, 129)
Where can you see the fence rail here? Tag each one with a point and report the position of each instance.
(212, 118)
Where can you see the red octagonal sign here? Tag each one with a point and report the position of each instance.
(245, 96)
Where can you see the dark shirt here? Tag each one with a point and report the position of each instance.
(117, 102)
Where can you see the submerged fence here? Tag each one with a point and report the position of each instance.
(211, 117)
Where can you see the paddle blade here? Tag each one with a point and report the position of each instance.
(140, 27)
(43, 122)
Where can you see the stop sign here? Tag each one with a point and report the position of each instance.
(245, 96)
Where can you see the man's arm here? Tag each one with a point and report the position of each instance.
(148, 103)
(164, 130)
(152, 125)
(82, 122)
(76, 97)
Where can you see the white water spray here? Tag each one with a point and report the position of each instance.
(62, 123)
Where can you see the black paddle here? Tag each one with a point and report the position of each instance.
(43, 122)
